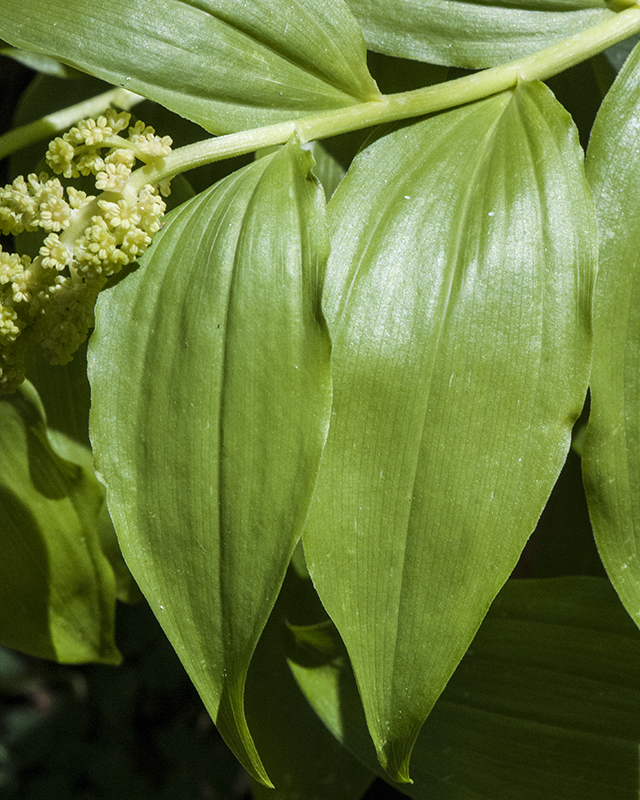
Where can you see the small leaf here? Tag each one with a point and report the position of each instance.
(611, 460)
(473, 33)
(326, 169)
(544, 705)
(210, 388)
(458, 298)
(226, 65)
(57, 590)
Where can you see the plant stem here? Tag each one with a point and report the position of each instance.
(538, 66)
(52, 124)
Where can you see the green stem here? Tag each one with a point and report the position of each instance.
(49, 126)
(538, 66)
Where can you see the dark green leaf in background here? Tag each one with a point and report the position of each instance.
(57, 589)
(472, 33)
(302, 757)
(611, 456)
(211, 391)
(545, 705)
(458, 298)
(224, 64)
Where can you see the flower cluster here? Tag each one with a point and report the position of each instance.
(88, 238)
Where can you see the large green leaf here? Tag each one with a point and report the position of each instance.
(545, 705)
(612, 449)
(472, 33)
(57, 590)
(210, 402)
(458, 297)
(224, 64)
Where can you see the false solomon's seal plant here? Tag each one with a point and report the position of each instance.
(366, 400)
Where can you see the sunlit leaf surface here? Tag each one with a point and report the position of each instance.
(611, 456)
(224, 64)
(458, 298)
(210, 383)
(472, 33)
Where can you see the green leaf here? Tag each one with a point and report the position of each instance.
(458, 298)
(300, 754)
(226, 65)
(618, 53)
(70, 450)
(38, 62)
(544, 705)
(210, 383)
(472, 33)
(57, 590)
(611, 460)
(327, 169)
(65, 394)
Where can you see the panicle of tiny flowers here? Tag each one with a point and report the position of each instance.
(79, 151)
(32, 203)
(49, 299)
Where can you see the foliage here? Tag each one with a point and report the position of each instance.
(333, 389)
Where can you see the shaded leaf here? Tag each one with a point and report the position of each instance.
(71, 450)
(458, 297)
(38, 62)
(210, 388)
(618, 54)
(472, 33)
(611, 460)
(57, 590)
(544, 705)
(581, 90)
(327, 169)
(223, 64)
(64, 392)
(300, 754)
(65, 396)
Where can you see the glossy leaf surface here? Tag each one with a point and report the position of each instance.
(223, 64)
(57, 589)
(458, 299)
(210, 383)
(611, 459)
(474, 33)
(544, 705)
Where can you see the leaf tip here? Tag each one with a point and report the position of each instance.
(394, 757)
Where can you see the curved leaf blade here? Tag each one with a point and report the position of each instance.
(611, 460)
(458, 297)
(57, 589)
(543, 706)
(210, 383)
(226, 65)
(473, 33)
